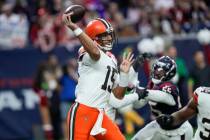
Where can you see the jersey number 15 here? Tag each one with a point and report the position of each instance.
(110, 73)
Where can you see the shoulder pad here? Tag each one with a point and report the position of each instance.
(81, 52)
(195, 97)
(169, 84)
(169, 88)
(111, 56)
(201, 90)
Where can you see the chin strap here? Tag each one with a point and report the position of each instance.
(156, 81)
(107, 47)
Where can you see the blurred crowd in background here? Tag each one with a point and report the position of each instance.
(38, 23)
(55, 86)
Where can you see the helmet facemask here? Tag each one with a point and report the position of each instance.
(106, 39)
(158, 74)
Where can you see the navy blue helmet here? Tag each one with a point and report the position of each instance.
(163, 69)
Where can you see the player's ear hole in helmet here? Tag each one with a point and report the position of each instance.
(102, 32)
(164, 69)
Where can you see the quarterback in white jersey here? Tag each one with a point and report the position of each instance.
(200, 105)
(98, 72)
(96, 79)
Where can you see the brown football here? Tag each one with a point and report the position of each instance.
(78, 12)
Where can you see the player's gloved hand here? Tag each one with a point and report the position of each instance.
(165, 121)
(140, 59)
(142, 92)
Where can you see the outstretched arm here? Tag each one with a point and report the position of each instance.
(154, 95)
(89, 45)
(185, 113)
(170, 121)
(160, 96)
(137, 96)
(128, 99)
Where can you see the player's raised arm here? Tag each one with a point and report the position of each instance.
(89, 45)
(127, 61)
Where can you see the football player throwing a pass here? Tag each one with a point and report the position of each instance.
(98, 76)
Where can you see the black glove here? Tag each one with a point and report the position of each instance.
(140, 59)
(165, 121)
(142, 93)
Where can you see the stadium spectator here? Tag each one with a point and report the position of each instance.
(63, 36)
(199, 74)
(40, 88)
(142, 18)
(133, 12)
(206, 50)
(68, 84)
(181, 77)
(13, 28)
(53, 74)
(144, 24)
(48, 88)
(42, 34)
(163, 4)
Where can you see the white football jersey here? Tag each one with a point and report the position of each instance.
(110, 112)
(202, 97)
(96, 79)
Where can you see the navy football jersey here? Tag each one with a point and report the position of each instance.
(162, 108)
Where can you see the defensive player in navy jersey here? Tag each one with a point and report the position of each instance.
(164, 69)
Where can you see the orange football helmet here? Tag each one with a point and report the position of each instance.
(101, 31)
